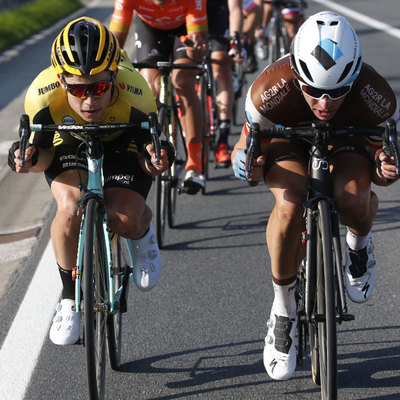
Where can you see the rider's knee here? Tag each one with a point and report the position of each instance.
(128, 226)
(290, 211)
(355, 206)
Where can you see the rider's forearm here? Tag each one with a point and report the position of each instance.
(45, 159)
(235, 17)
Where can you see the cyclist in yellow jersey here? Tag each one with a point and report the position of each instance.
(159, 24)
(89, 82)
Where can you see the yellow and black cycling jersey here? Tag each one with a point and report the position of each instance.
(46, 103)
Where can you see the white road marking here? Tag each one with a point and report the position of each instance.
(380, 26)
(22, 346)
(16, 250)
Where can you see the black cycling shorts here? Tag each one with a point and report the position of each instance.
(297, 150)
(218, 25)
(158, 44)
(121, 167)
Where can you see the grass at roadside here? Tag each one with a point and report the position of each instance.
(17, 25)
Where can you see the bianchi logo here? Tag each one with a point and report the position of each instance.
(327, 53)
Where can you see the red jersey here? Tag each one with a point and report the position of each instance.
(172, 14)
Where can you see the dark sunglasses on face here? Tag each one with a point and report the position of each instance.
(318, 94)
(82, 91)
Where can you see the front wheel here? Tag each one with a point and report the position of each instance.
(326, 306)
(162, 192)
(95, 299)
(121, 264)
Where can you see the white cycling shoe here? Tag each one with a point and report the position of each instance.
(66, 325)
(360, 273)
(280, 348)
(147, 260)
(194, 181)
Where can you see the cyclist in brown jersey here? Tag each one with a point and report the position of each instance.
(322, 78)
(89, 83)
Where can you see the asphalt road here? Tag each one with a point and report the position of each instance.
(199, 333)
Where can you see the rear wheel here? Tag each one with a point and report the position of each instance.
(95, 299)
(176, 137)
(206, 138)
(162, 184)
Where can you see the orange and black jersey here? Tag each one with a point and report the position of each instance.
(46, 103)
(275, 95)
(172, 14)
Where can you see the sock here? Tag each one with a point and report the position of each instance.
(356, 242)
(68, 291)
(224, 130)
(284, 301)
(194, 157)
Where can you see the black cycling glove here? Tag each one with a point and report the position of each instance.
(11, 156)
(165, 144)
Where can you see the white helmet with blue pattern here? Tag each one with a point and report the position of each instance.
(326, 52)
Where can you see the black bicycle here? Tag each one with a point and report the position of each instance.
(320, 290)
(170, 183)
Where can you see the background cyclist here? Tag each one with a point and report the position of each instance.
(323, 77)
(224, 16)
(88, 81)
(159, 25)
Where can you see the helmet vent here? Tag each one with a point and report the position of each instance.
(332, 23)
(305, 70)
(346, 70)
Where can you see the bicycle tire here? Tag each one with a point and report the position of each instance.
(177, 137)
(94, 299)
(161, 207)
(238, 71)
(279, 41)
(205, 136)
(162, 183)
(121, 261)
(326, 305)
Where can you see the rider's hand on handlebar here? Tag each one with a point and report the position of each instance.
(257, 167)
(167, 157)
(236, 56)
(196, 46)
(14, 161)
(386, 167)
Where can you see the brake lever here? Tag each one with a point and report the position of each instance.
(24, 133)
(391, 148)
(153, 122)
(253, 149)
